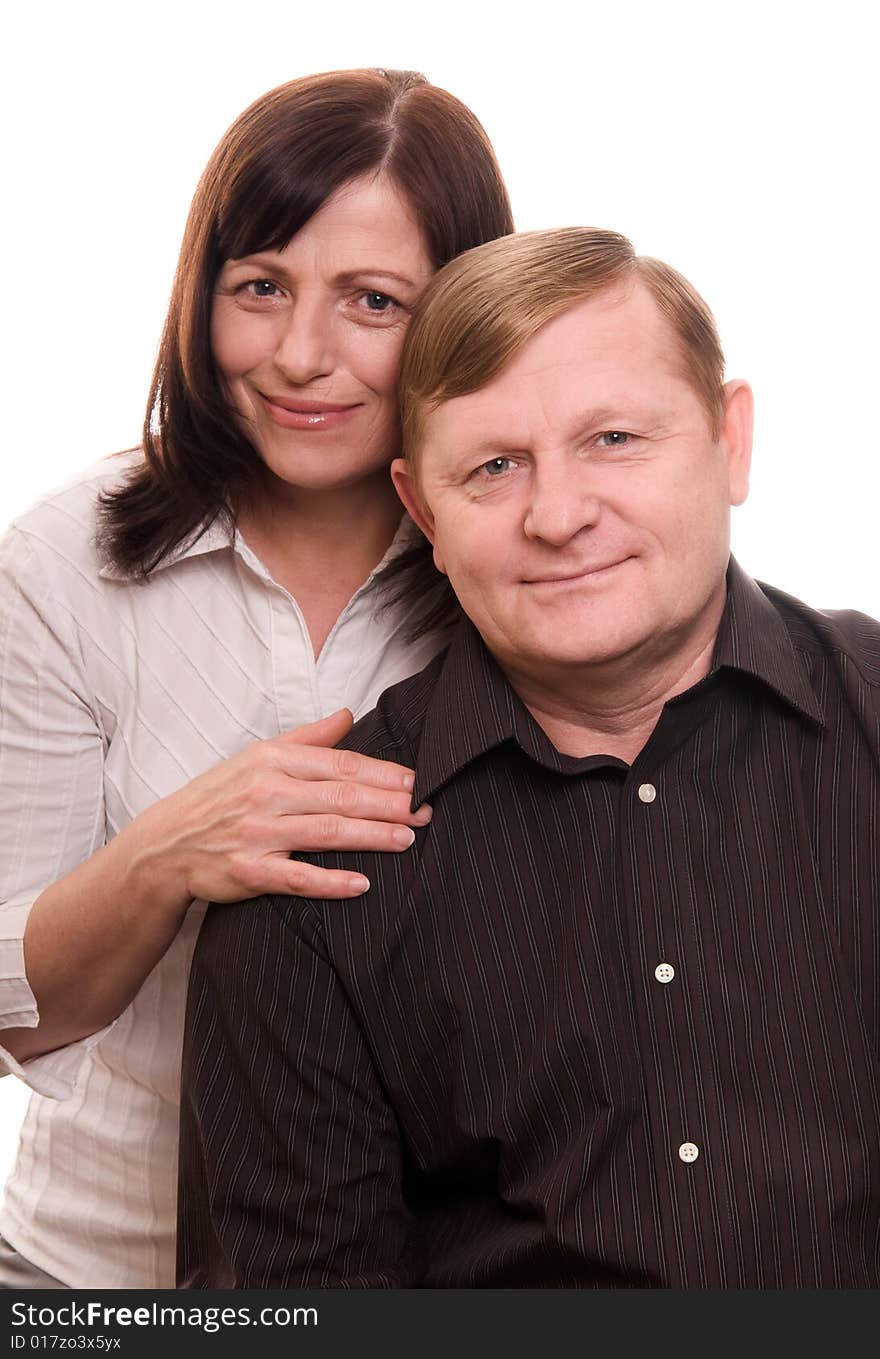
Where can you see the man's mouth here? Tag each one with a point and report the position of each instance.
(585, 574)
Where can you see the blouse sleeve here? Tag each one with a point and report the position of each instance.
(51, 782)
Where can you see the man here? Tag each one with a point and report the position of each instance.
(614, 1021)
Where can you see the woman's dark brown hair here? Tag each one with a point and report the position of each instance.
(275, 167)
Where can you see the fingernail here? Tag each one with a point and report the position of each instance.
(403, 836)
(409, 782)
(424, 813)
(359, 884)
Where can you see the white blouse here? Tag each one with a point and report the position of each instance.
(114, 694)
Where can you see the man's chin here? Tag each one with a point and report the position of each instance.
(581, 636)
(574, 653)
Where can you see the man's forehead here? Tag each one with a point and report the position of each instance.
(617, 344)
(617, 326)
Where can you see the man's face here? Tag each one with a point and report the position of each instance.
(579, 503)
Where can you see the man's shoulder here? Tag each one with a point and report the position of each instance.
(830, 632)
(392, 731)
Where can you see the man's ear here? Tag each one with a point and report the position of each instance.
(408, 491)
(736, 437)
(406, 487)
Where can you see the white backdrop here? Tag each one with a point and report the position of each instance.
(736, 141)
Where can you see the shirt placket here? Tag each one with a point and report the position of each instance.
(658, 911)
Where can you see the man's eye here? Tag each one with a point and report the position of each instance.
(495, 467)
(614, 438)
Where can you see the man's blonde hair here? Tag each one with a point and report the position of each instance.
(482, 308)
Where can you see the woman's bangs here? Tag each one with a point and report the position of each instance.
(275, 197)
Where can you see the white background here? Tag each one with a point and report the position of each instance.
(738, 142)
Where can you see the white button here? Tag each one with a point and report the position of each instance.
(647, 792)
(664, 972)
(688, 1152)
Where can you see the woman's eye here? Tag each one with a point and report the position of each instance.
(378, 303)
(614, 438)
(262, 287)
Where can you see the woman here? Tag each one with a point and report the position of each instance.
(172, 620)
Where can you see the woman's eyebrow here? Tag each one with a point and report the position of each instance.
(267, 260)
(351, 276)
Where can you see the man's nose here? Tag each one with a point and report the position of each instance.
(562, 502)
(305, 349)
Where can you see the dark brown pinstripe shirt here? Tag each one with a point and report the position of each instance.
(603, 1026)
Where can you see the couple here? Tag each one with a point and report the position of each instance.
(608, 1020)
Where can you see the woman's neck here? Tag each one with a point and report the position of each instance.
(321, 546)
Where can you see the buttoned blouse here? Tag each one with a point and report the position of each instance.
(113, 694)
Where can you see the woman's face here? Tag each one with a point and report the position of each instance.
(308, 338)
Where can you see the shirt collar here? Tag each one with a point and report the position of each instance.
(754, 640)
(473, 708)
(213, 538)
(220, 535)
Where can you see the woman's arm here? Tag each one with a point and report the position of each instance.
(91, 937)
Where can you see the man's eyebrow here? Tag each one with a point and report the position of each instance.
(598, 418)
(491, 448)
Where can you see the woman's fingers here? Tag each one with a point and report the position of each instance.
(229, 834)
(266, 795)
(289, 877)
(327, 731)
(355, 801)
(314, 760)
(247, 872)
(317, 834)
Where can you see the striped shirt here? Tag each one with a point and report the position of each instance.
(114, 694)
(603, 1026)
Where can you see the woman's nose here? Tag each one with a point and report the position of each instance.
(305, 350)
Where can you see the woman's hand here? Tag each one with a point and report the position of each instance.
(229, 834)
(94, 936)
